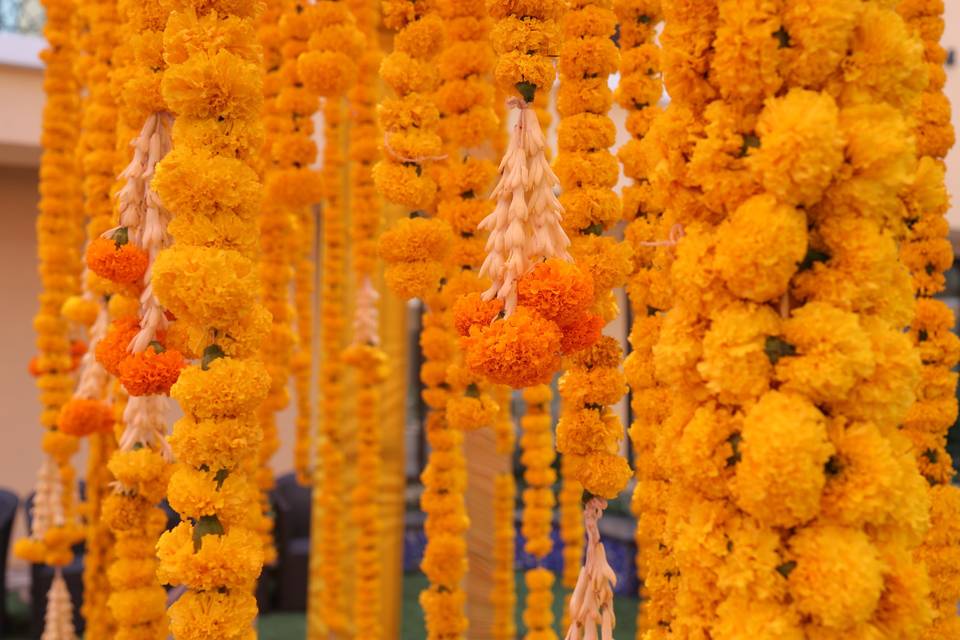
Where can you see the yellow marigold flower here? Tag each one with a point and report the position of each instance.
(512, 33)
(833, 353)
(838, 575)
(705, 452)
(602, 473)
(759, 247)
(598, 386)
(415, 239)
(137, 606)
(404, 184)
(421, 39)
(443, 611)
(209, 287)
(296, 187)
(406, 74)
(201, 185)
(194, 493)
(215, 443)
(444, 561)
(129, 573)
(885, 63)
(186, 34)
(746, 64)
(230, 560)
(584, 431)
(679, 348)
(327, 73)
(59, 446)
(465, 412)
(414, 279)
(211, 614)
(215, 85)
(123, 306)
(124, 513)
(411, 110)
(516, 66)
(821, 33)
(735, 364)
(885, 396)
(80, 310)
(588, 57)
(801, 146)
(143, 470)
(746, 616)
(229, 387)
(609, 262)
(782, 451)
(30, 550)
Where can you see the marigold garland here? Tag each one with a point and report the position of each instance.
(59, 237)
(211, 288)
(504, 589)
(444, 481)
(413, 249)
(537, 456)
(927, 252)
(777, 344)
(295, 187)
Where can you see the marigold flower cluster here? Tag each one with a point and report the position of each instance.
(444, 479)
(525, 37)
(213, 84)
(552, 319)
(59, 238)
(783, 154)
(537, 457)
(927, 252)
(504, 591)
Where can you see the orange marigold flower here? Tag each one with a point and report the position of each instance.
(123, 263)
(519, 351)
(151, 372)
(81, 417)
(472, 309)
(581, 333)
(112, 349)
(77, 348)
(557, 290)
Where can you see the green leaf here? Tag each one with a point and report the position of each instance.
(120, 237)
(777, 348)
(813, 256)
(750, 141)
(157, 347)
(783, 37)
(211, 353)
(472, 391)
(787, 568)
(220, 477)
(528, 90)
(734, 441)
(595, 229)
(206, 526)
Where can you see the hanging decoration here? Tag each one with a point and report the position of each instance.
(927, 252)
(208, 279)
(53, 527)
(328, 69)
(504, 588)
(537, 456)
(781, 335)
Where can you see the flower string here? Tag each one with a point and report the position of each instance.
(928, 253)
(59, 236)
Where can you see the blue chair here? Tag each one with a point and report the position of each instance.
(8, 512)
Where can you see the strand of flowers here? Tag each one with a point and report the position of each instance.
(98, 159)
(504, 588)
(52, 531)
(589, 433)
(283, 151)
(416, 249)
(208, 279)
(537, 456)
(648, 232)
(365, 354)
(444, 482)
(290, 118)
(927, 253)
(779, 345)
(137, 350)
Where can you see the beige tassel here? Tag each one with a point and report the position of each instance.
(591, 605)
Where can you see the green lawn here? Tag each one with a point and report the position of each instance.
(292, 626)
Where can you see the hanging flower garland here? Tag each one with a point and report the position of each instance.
(927, 253)
(649, 233)
(287, 150)
(328, 69)
(294, 189)
(209, 281)
(53, 530)
(504, 588)
(779, 344)
(414, 249)
(537, 456)
(444, 481)
(365, 354)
